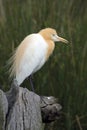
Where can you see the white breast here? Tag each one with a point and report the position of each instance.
(33, 58)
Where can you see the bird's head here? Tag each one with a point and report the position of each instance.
(51, 34)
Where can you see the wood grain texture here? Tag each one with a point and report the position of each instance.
(21, 109)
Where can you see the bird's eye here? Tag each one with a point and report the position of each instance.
(53, 34)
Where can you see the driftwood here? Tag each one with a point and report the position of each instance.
(21, 109)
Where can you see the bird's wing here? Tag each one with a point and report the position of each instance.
(30, 56)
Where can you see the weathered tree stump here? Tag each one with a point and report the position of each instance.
(21, 109)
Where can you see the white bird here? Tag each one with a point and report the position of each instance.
(32, 53)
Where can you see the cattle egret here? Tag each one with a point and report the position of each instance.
(32, 53)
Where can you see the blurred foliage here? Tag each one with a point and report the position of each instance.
(65, 73)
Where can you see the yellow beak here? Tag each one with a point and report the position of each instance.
(62, 40)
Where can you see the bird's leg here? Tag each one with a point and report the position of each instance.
(32, 86)
(31, 82)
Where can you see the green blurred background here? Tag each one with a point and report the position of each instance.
(65, 74)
